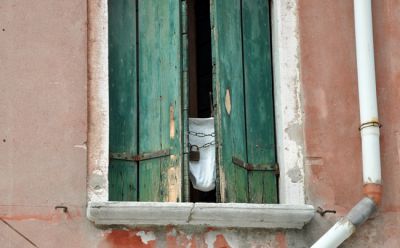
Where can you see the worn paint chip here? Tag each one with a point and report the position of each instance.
(228, 106)
(222, 183)
(173, 185)
(171, 122)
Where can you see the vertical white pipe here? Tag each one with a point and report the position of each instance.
(365, 60)
(371, 155)
(369, 127)
(367, 91)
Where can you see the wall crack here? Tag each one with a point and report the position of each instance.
(18, 232)
(190, 213)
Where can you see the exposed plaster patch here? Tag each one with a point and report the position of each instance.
(83, 146)
(295, 133)
(96, 184)
(232, 239)
(97, 177)
(146, 236)
(295, 174)
(296, 91)
(290, 5)
(172, 232)
(288, 100)
(210, 238)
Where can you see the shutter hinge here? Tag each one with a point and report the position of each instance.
(256, 167)
(141, 156)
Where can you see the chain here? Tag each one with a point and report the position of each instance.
(201, 135)
(205, 145)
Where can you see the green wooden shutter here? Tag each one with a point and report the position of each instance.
(160, 81)
(145, 98)
(243, 93)
(123, 101)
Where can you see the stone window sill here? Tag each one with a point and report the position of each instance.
(207, 214)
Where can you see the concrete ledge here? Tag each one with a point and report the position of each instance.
(208, 214)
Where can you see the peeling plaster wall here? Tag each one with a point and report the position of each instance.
(333, 145)
(43, 131)
(200, 237)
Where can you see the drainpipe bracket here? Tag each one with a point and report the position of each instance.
(370, 124)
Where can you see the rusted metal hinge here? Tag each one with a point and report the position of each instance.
(141, 156)
(256, 167)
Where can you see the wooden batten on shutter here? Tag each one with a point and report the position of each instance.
(145, 99)
(243, 93)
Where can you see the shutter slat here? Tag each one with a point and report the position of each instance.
(259, 99)
(160, 98)
(123, 107)
(230, 122)
(243, 92)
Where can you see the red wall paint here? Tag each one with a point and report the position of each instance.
(220, 242)
(281, 240)
(125, 239)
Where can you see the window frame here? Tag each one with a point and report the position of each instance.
(288, 114)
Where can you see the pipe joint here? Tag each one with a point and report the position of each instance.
(373, 191)
(362, 211)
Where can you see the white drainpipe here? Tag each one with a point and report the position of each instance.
(369, 128)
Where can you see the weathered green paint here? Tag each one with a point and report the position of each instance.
(259, 98)
(160, 78)
(243, 84)
(123, 107)
(229, 97)
(146, 113)
(145, 98)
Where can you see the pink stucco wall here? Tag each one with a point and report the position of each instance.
(43, 122)
(43, 130)
(333, 145)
